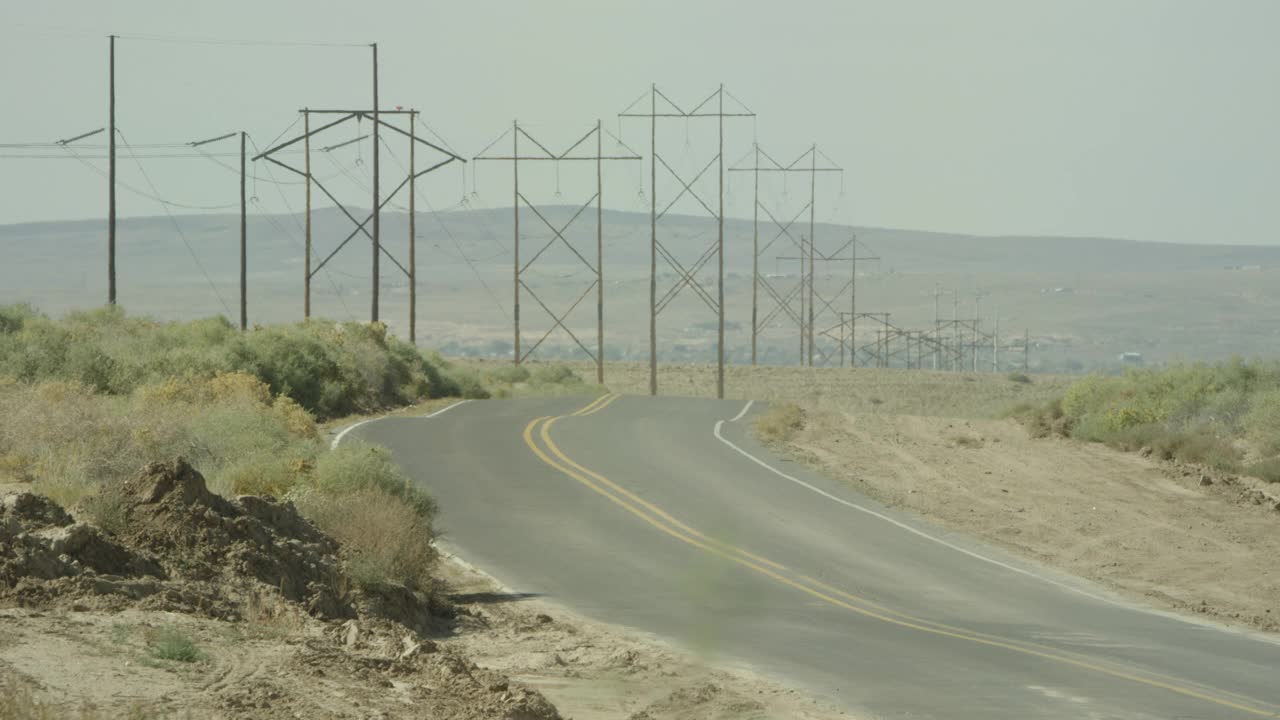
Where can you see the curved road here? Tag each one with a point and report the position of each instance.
(662, 514)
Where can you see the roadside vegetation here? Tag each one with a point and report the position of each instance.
(89, 399)
(779, 422)
(1224, 416)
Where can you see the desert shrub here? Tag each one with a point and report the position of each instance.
(510, 374)
(1193, 413)
(1262, 422)
(170, 643)
(355, 466)
(71, 440)
(556, 374)
(385, 524)
(779, 422)
(384, 539)
(1265, 470)
(967, 442)
(330, 369)
(13, 317)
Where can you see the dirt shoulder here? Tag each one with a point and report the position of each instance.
(597, 671)
(1176, 537)
(198, 606)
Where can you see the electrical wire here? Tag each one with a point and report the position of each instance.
(141, 193)
(238, 42)
(176, 226)
(474, 270)
(292, 214)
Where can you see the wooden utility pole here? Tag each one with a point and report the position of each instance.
(805, 247)
(515, 237)
(755, 252)
(813, 247)
(853, 305)
(720, 254)
(306, 277)
(519, 286)
(688, 278)
(111, 178)
(377, 200)
(599, 254)
(244, 278)
(995, 344)
(653, 239)
(413, 234)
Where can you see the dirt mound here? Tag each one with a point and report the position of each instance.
(177, 546)
(198, 536)
(40, 541)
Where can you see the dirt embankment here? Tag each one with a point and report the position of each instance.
(197, 606)
(1175, 536)
(210, 607)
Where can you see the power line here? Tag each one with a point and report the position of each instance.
(238, 42)
(292, 214)
(176, 226)
(434, 214)
(141, 193)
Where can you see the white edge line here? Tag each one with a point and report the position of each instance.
(742, 412)
(459, 562)
(338, 438)
(904, 526)
(446, 408)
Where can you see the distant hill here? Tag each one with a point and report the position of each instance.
(1087, 298)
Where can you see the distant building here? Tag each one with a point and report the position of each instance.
(1130, 358)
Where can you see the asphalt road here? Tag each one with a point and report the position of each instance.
(664, 515)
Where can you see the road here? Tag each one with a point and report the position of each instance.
(663, 514)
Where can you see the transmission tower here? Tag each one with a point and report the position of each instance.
(807, 162)
(542, 154)
(686, 271)
(346, 116)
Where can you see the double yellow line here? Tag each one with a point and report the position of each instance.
(596, 405)
(537, 436)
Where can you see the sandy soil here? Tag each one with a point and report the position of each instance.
(92, 664)
(199, 606)
(1175, 536)
(595, 671)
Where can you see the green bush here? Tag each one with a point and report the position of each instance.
(554, 375)
(1266, 470)
(1194, 413)
(779, 422)
(510, 374)
(385, 524)
(169, 643)
(331, 369)
(1262, 422)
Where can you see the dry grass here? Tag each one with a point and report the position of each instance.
(967, 442)
(18, 702)
(779, 422)
(383, 538)
(904, 392)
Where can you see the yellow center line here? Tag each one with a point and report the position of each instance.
(567, 466)
(546, 438)
(600, 407)
(592, 404)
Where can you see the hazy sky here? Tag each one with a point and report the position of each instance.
(1148, 119)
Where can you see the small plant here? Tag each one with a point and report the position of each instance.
(555, 375)
(1267, 470)
(780, 422)
(967, 442)
(169, 643)
(1019, 377)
